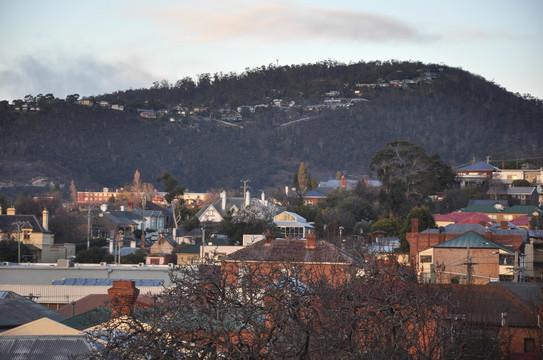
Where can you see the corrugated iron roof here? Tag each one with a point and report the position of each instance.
(16, 310)
(44, 347)
(472, 239)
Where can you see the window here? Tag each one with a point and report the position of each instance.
(26, 235)
(529, 345)
(426, 258)
(506, 259)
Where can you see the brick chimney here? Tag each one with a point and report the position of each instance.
(414, 225)
(311, 241)
(503, 225)
(268, 238)
(122, 296)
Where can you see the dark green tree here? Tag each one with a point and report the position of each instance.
(408, 175)
(521, 182)
(9, 250)
(391, 226)
(174, 193)
(93, 255)
(136, 257)
(425, 221)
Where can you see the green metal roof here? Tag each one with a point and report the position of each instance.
(474, 240)
(487, 209)
(523, 209)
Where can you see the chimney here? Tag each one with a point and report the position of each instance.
(343, 181)
(268, 238)
(262, 198)
(286, 190)
(414, 225)
(11, 211)
(223, 200)
(45, 220)
(503, 225)
(311, 241)
(122, 296)
(247, 198)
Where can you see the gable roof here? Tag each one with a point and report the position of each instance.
(16, 310)
(7, 223)
(479, 165)
(473, 240)
(43, 326)
(521, 190)
(292, 251)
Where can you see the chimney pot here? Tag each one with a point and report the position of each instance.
(414, 225)
(311, 241)
(268, 238)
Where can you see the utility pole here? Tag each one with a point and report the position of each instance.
(469, 263)
(245, 186)
(88, 227)
(19, 224)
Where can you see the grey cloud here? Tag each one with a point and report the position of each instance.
(278, 23)
(64, 75)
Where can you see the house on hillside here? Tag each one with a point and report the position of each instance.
(34, 235)
(468, 259)
(475, 173)
(292, 225)
(505, 235)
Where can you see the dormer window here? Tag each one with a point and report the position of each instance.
(26, 234)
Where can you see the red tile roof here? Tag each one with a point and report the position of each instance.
(283, 250)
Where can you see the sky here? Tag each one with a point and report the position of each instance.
(96, 47)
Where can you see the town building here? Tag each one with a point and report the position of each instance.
(35, 235)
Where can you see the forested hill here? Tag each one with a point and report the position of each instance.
(329, 115)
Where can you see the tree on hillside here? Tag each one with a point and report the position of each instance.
(174, 193)
(408, 175)
(73, 192)
(304, 181)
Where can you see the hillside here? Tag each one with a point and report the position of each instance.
(331, 116)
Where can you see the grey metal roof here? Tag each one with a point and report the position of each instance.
(58, 347)
(480, 165)
(17, 310)
(521, 190)
(505, 203)
(458, 229)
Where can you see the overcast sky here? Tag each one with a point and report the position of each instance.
(97, 47)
